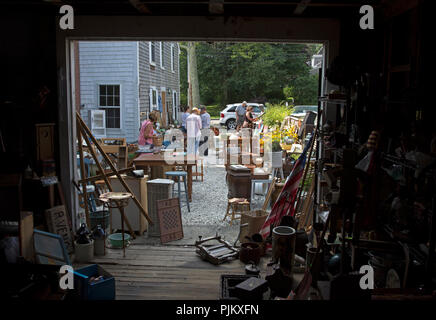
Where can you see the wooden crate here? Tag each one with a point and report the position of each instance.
(120, 148)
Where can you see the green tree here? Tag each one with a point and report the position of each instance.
(232, 72)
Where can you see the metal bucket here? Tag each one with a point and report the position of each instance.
(283, 246)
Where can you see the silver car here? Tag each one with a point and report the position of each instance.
(228, 115)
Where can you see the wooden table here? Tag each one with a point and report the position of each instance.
(157, 159)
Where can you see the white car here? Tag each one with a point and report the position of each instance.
(300, 111)
(228, 115)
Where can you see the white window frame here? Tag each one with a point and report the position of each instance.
(154, 106)
(162, 57)
(175, 111)
(111, 107)
(173, 69)
(150, 46)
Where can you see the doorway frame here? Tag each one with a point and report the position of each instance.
(169, 28)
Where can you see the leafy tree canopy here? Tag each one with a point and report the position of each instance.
(256, 72)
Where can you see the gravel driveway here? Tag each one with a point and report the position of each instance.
(209, 199)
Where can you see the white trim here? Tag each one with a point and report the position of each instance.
(153, 63)
(173, 69)
(152, 106)
(175, 111)
(162, 56)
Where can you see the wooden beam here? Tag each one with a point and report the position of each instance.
(301, 7)
(82, 131)
(82, 174)
(101, 176)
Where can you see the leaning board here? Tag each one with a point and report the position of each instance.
(170, 219)
(57, 222)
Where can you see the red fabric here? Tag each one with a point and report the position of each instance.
(285, 203)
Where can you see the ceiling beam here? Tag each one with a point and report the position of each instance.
(301, 7)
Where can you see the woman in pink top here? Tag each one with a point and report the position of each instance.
(147, 131)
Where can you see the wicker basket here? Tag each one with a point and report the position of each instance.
(157, 141)
(255, 220)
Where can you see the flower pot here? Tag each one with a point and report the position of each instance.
(277, 159)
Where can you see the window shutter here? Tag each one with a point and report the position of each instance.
(98, 123)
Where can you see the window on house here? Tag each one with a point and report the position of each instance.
(152, 53)
(153, 99)
(173, 58)
(162, 56)
(109, 100)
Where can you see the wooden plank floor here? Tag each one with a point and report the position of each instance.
(165, 272)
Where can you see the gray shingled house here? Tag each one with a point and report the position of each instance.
(122, 81)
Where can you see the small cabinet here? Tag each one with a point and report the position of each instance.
(135, 217)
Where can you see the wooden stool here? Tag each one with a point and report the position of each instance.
(196, 173)
(118, 200)
(237, 205)
(177, 175)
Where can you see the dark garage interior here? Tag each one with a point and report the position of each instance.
(374, 195)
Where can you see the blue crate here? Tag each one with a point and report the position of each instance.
(103, 290)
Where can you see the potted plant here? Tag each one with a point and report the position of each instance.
(277, 154)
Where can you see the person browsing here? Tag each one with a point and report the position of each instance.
(193, 128)
(146, 132)
(185, 116)
(205, 123)
(240, 115)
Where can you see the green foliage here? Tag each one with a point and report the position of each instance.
(304, 91)
(214, 111)
(275, 114)
(255, 72)
(275, 146)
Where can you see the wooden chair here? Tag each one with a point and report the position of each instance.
(197, 174)
(237, 206)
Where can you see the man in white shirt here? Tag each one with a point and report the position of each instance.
(193, 128)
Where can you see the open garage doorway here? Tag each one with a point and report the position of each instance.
(117, 85)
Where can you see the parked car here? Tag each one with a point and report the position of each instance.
(300, 111)
(228, 115)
